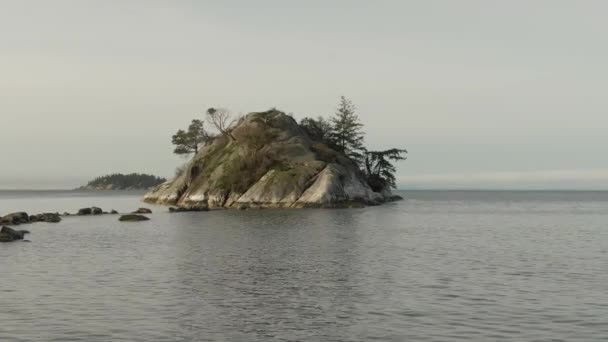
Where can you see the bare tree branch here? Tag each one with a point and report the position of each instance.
(222, 120)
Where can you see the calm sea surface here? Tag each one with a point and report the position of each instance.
(438, 266)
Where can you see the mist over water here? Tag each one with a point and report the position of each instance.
(438, 266)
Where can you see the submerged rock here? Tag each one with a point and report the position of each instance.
(8, 234)
(132, 218)
(143, 211)
(267, 160)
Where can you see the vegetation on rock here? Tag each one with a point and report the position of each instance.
(346, 131)
(188, 141)
(379, 170)
(344, 134)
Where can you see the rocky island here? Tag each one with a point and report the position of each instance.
(268, 160)
(119, 181)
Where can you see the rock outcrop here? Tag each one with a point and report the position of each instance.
(15, 218)
(46, 217)
(90, 211)
(267, 160)
(18, 218)
(8, 234)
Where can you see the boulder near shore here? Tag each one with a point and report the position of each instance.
(267, 160)
(15, 218)
(18, 218)
(9, 235)
(90, 211)
(46, 217)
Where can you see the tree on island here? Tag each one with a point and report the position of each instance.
(222, 120)
(319, 130)
(379, 170)
(187, 142)
(346, 131)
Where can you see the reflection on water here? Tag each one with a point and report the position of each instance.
(435, 267)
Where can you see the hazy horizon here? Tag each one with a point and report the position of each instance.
(484, 95)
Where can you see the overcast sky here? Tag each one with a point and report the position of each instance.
(484, 94)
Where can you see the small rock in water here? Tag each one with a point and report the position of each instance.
(46, 217)
(84, 211)
(8, 234)
(132, 218)
(143, 211)
(113, 212)
(90, 211)
(15, 218)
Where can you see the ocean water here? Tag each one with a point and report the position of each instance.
(438, 266)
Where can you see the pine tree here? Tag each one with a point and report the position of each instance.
(187, 142)
(346, 131)
(379, 170)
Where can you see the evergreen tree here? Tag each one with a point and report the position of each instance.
(187, 142)
(346, 131)
(379, 170)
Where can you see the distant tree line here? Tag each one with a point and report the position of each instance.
(343, 132)
(130, 181)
